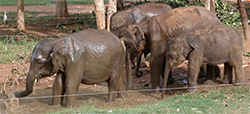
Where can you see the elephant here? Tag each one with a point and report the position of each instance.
(153, 35)
(210, 44)
(89, 57)
(136, 14)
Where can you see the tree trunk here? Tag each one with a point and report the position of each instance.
(210, 5)
(100, 14)
(244, 20)
(20, 15)
(111, 10)
(61, 9)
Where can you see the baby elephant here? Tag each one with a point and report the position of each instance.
(89, 57)
(212, 45)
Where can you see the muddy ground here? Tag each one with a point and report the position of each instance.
(11, 81)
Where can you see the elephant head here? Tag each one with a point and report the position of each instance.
(44, 63)
(134, 41)
(177, 51)
(119, 22)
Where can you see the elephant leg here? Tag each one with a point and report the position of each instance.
(128, 71)
(228, 74)
(72, 83)
(58, 89)
(210, 77)
(239, 74)
(194, 64)
(115, 83)
(156, 68)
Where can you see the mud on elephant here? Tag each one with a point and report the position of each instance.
(136, 14)
(154, 35)
(212, 45)
(89, 57)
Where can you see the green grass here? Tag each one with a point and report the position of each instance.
(209, 101)
(43, 2)
(9, 48)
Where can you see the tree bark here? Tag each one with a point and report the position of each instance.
(210, 5)
(100, 14)
(111, 9)
(244, 20)
(20, 15)
(61, 9)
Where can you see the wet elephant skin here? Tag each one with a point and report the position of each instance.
(89, 57)
(154, 35)
(211, 44)
(136, 14)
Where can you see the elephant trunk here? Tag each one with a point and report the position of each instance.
(128, 71)
(29, 86)
(137, 73)
(166, 75)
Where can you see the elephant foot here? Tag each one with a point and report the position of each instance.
(208, 81)
(224, 81)
(238, 82)
(123, 95)
(155, 94)
(139, 74)
(191, 89)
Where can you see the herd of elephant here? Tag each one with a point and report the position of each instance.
(171, 36)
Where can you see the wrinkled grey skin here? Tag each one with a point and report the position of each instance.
(212, 45)
(153, 37)
(89, 57)
(136, 14)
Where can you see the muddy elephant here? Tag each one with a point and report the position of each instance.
(152, 36)
(136, 14)
(211, 44)
(89, 57)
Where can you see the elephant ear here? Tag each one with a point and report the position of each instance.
(138, 15)
(56, 56)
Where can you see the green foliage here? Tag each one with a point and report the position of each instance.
(208, 101)
(183, 3)
(10, 47)
(228, 14)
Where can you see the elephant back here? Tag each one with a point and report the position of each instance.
(184, 19)
(95, 43)
(136, 14)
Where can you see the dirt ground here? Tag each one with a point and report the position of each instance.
(11, 81)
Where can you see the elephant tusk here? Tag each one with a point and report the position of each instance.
(36, 80)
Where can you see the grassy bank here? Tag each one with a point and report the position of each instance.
(12, 50)
(209, 101)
